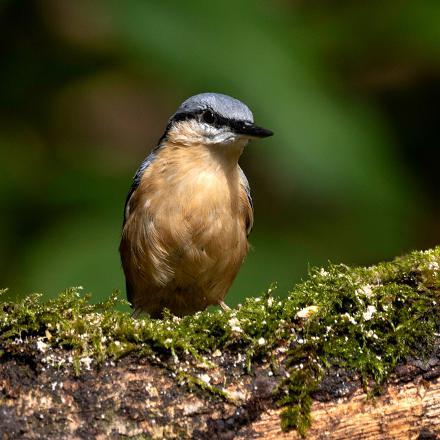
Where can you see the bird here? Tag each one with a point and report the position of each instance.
(189, 210)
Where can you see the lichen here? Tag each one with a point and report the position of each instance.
(365, 320)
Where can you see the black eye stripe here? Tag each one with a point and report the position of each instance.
(210, 117)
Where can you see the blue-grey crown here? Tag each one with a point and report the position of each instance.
(225, 106)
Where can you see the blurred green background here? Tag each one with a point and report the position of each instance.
(351, 90)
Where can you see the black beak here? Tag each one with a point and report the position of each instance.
(252, 130)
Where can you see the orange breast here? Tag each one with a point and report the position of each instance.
(185, 234)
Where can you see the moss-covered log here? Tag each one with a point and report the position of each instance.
(351, 352)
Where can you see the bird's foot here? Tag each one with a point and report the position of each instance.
(224, 306)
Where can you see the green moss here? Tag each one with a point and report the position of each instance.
(367, 320)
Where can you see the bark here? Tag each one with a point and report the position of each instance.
(42, 397)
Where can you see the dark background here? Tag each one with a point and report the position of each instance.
(350, 88)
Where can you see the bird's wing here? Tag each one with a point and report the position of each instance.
(137, 179)
(250, 214)
(245, 183)
(135, 184)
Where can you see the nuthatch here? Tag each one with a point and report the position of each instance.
(189, 210)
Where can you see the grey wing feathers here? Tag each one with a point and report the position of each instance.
(245, 184)
(137, 178)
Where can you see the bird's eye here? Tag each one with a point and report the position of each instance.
(208, 116)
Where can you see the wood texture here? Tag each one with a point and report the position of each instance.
(42, 397)
(405, 411)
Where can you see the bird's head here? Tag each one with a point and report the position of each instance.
(213, 120)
